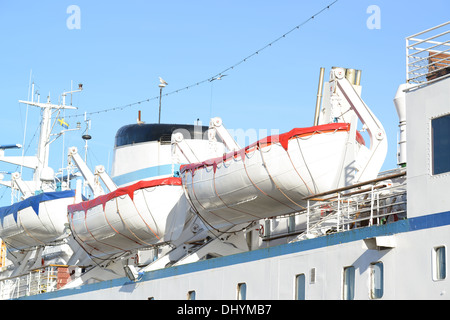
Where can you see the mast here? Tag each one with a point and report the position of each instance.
(41, 159)
(39, 162)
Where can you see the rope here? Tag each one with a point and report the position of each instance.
(306, 165)
(110, 245)
(276, 185)
(154, 233)
(216, 76)
(26, 231)
(306, 185)
(193, 191)
(150, 211)
(215, 189)
(245, 167)
(126, 225)
(204, 220)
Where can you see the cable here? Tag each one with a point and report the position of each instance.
(216, 76)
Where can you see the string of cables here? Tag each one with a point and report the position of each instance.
(217, 75)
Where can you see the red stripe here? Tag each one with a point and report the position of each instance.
(84, 206)
(283, 139)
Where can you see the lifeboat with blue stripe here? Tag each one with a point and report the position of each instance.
(36, 221)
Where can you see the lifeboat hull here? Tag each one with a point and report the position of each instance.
(268, 178)
(37, 220)
(140, 215)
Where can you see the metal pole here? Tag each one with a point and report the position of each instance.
(160, 95)
(307, 219)
(358, 77)
(371, 207)
(338, 212)
(319, 97)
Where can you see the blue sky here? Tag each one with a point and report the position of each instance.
(122, 48)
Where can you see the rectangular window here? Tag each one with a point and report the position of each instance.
(300, 286)
(191, 295)
(348, 287)
(312, 276)
(242, 291)
(291, 223)
(267, 225)
(376, 280)
(440, 132)
(440, 268)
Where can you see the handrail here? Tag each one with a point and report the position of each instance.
(428, 57)
(40, 280)
(356, 185)
(378, 201)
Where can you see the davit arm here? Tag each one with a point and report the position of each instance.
(368, 163)
(90, 178)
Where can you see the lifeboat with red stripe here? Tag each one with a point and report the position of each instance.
(139, 215)
(270, 177)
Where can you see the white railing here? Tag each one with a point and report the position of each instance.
(2, 255)
(34, 282)
(376, 202)
(428, 55)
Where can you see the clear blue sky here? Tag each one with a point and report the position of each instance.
(122, 47)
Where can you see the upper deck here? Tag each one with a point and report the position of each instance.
(428, 55)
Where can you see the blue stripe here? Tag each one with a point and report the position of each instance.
(430, 221)
(146, 173)
(407, 225)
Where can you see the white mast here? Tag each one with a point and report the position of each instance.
(39, 162)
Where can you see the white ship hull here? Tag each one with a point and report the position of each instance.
(409, 271)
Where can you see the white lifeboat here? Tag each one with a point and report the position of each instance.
(270, 177)
(37, 220)
(139, 215)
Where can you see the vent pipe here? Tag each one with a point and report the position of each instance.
(400, 106)
(319, 96)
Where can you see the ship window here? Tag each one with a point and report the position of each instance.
(242, 291)
(348, 287)
(439, 262)
(300, 286)
(267, 224)
(440, 131)
(376, 280)
(291, 223)
(191, 295)
(312, 276)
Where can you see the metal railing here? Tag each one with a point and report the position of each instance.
(428, 55)
(34, 282)
(2, 255)
(376, 202)
(373, 204)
